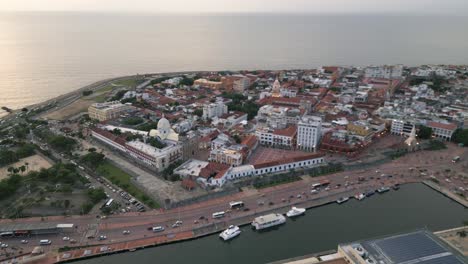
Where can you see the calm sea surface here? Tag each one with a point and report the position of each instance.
(43, 55)
(412, 207)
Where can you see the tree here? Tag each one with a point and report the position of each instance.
(198, 112)
(424, 132)
(96, 195)
(62, 143)
(93, 159)
(460, 136)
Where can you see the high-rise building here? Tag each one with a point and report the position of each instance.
(216, 109)
(309, 132)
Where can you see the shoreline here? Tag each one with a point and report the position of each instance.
(211, 229)
(77, 92)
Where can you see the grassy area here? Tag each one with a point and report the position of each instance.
(123, 180)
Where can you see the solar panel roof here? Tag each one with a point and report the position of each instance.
(412, 248)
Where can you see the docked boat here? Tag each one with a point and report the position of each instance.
(268, 220)
(370, 193)
(342, 200)
(396, 187)
(383, 189)
(230, 233)
(295, 212)
(359, 196)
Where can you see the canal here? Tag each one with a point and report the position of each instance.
(413, 206)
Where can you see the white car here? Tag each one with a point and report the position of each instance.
(3, 245)
(126, 232)
(66, 239)
(102, 237)
(24, 241)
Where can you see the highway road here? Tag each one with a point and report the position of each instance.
(259, 201)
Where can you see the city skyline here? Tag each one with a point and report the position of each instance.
(243, 6)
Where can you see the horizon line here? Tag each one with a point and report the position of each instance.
(234, 12)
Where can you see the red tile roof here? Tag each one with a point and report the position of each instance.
(448, 126)
(249, 141)
(288, 132)
(213, 169)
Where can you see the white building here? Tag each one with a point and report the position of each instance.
(401, 127)
(152, 157)
(283, 138)
(309, 132)
(442, 130)
(216, 109)
(280, 166)
(384, 72)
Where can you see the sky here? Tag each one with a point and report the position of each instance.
(233, 6)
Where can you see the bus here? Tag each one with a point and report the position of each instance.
(6, 234)
(109, 202)
(218, 215)
(323, 183)
(236, 205)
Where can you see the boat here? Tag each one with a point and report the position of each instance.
(230, 233)
(268, 220)
(342, 200)
(359, 196)
(295, 212)
(370, 193)
(396, 187)
(383, 189)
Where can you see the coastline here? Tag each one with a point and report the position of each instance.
(203, 231)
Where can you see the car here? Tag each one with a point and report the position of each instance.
(66, 239)
(73, 241)
(126, 232)
(102, 237)
(201, 217)
(314, 191)
(3, 245)
(24, 241)
(299, 196)
(327, 189)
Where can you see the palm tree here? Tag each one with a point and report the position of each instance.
(22, 168)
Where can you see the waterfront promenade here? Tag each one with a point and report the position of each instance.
(197, 220)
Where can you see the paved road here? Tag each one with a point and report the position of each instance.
(403, 170)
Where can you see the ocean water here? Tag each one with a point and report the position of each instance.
(43, 55)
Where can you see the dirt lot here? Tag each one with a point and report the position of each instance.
(80, 105)
(35, 163)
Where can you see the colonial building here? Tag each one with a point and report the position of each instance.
(108, 110)
(281, 138)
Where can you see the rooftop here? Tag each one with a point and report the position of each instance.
(419, 247)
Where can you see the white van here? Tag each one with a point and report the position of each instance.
(45, 242)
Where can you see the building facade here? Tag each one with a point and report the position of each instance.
(309, 131)
(108, 110)
(216, 109)
(281, 138)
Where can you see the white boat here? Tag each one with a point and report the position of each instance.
(359, 196)
(342, 200)
(383, 189)
(230, 233)
(267, 221)
(295, 212)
